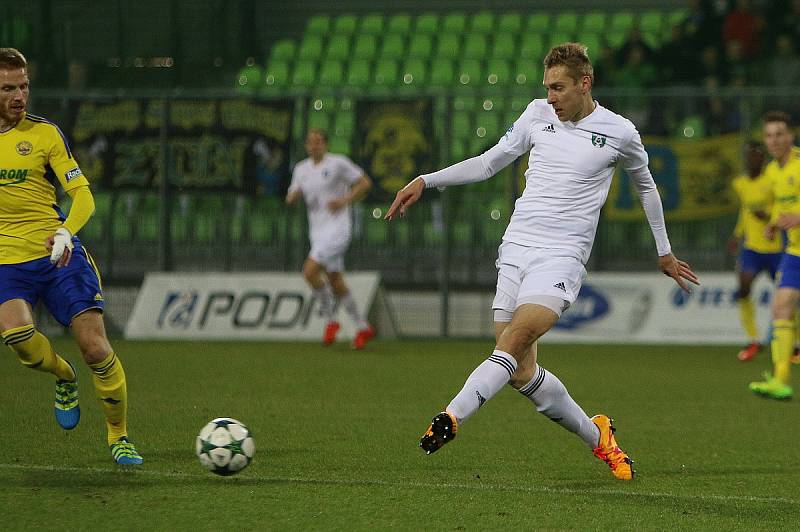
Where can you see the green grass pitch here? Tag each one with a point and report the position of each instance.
(337, 431)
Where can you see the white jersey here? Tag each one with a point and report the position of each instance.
(320, 183)
(569, 175)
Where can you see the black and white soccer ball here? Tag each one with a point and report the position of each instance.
(225, 446)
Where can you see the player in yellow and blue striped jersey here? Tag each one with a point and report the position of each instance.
(42, 259)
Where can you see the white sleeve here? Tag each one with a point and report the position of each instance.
(295, 183)
(472, 170)
(635, 161)
(349, 170)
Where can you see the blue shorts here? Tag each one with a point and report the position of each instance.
(66, 292)
(789, 272)
(754, 262)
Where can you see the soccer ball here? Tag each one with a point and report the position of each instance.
(225, 446)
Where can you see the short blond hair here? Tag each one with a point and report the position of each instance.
(12, 59)
(572, 55)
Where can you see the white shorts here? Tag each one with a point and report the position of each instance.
(533, 275)
(329, 254)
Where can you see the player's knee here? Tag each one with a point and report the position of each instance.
(95, 349)
(517, 340)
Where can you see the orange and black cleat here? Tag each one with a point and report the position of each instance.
(331, 329)
(442, 429)
(608, 451)
(363, 336)
(749, 351)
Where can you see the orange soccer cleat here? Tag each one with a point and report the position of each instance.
(749, 352)
(608, 451)
(363, 336)
(443, 428)
(331, 329)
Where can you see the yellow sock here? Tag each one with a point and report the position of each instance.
(35, 351)
(747, 313)
(783, 333)
(111, 390)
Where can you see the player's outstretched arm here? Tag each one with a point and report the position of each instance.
(59, 244)
(405, 198)
(679, 270)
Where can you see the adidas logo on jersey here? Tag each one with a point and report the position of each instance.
(560, 286)
(549, 128)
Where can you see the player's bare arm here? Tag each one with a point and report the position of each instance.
(292, 197)
(679, 270)
(405, 198)
(357, 193)
(788, 220)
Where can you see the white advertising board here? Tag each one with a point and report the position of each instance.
(243, 306)
(650, 308)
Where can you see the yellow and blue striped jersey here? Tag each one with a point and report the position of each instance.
(786, 189)
(33, 156)
(755, 195)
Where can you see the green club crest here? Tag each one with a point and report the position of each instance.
(598, 140)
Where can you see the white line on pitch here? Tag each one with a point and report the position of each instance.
(407, 484)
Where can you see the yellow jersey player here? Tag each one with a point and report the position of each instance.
(784, 173)
(757, 253)
(41, 259)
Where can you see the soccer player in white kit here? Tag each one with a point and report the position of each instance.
(329, 183)
(574, 146)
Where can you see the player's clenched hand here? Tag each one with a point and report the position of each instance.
(405, 198)
(60, 247)
(678, 270)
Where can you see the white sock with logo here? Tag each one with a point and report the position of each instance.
(552, 399)
(482, 384)
(325, 297)
(352, 310)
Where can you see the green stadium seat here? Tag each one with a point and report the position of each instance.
(305, 73)
(503, 46)
(359, 73)
(448, 45)
(469, 72)
(320, 119)
(519, 104)
(283, 50)
(310, 48)
(593, 42)
(462, 125)
(532, 47)
(276, 74)
(365, 47)
(458, 149)
(538, 23)
(372, 24)
(344, 124)
(475, 47)
(566, 22)
(482, 22)
(414, 72)
(420, 46)
(651, 22)
(454, 23)
(593, 22)
(249, 79)
(331, 73)
(621, 21)
(478, 144)
(676, 17)
(498, 72)
(464, 102)
(386, 72)
(318, 25)
(428, 24)
(528, 73)
(509, 23)
(399, 24)
(340, 145)
(488, 125)
(652, 38)
(345, 24)
(442, 72)
(557, 37)
(338, 48)
(324, 103)
(509, 117)
(615, 38)
(393, 46)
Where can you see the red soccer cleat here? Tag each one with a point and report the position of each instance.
(331, 329)
(749, 352)
(363, 336)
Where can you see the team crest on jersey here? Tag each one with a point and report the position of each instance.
(24, 147)
(73, 174)
(598, 140)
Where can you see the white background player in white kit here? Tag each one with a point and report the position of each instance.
(574, 146)
(329, 183)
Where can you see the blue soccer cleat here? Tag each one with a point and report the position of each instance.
(67, 410)
(125, 453)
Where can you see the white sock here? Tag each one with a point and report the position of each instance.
(482, 384)
(325, 297)
(352, 310)
(552, 399)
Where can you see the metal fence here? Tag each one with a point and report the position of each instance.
(171, 222)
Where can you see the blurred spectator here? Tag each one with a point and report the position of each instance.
(784, 65)
(605, 66)
(720, 115)
(635, 40)
(743, 25)
(676, 59)
(783, 19)
(738, 68)
(634, 75)
(711, 66)
(702, 25)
